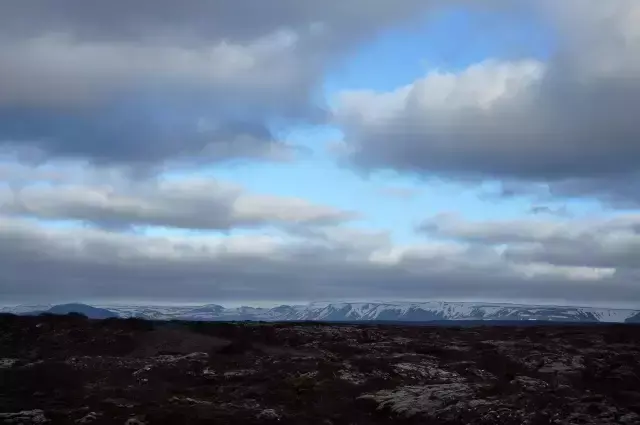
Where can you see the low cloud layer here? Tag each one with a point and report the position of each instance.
(82, 263)
(604, 243)
(188, 203)
(289, 249)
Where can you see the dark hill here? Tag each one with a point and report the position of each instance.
(85, 310)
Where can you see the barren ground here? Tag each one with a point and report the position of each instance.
(70, 370)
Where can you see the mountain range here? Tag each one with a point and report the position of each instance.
(348, 311)
(61, 309)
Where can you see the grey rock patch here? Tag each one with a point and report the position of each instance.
(530, 384)
(269, 414)
(88, 418)
(24, 417)
(7, 363)
(427, 400)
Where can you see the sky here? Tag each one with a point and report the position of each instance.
(283, 151)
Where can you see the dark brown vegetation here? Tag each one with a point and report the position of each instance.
(70, 370)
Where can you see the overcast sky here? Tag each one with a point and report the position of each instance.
(291, 151)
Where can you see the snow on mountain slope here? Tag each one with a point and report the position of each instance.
(366, 311)
(613, 316)
(391, 311)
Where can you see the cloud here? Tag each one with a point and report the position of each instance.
(80, 72)
(200, 19)
(187, 203)
(568, 118)
(545, 209)
(152, 82)
(143, 103)
(82, 263)
(598, 243)
(399, 192)
(615, 191)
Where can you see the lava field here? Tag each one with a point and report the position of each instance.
(72, 370)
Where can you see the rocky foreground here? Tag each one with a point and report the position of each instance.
(71, 370)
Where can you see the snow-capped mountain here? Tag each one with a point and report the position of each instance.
(370, 311)
(382, 311)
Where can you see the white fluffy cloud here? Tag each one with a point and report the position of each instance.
(569, 118)
(109, 199)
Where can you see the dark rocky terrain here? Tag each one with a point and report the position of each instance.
(72, 370)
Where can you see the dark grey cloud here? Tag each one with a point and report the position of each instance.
(82, 263)
(146, 104)
(618, 191)
(200, 19)
(615, 191)
(571, 117)
(596, 243)
(142, 136)
(561, 211)
(152, 81)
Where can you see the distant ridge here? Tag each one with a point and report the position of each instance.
(61, 309)
(357, 312)
(89, 311)
(361, 311)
